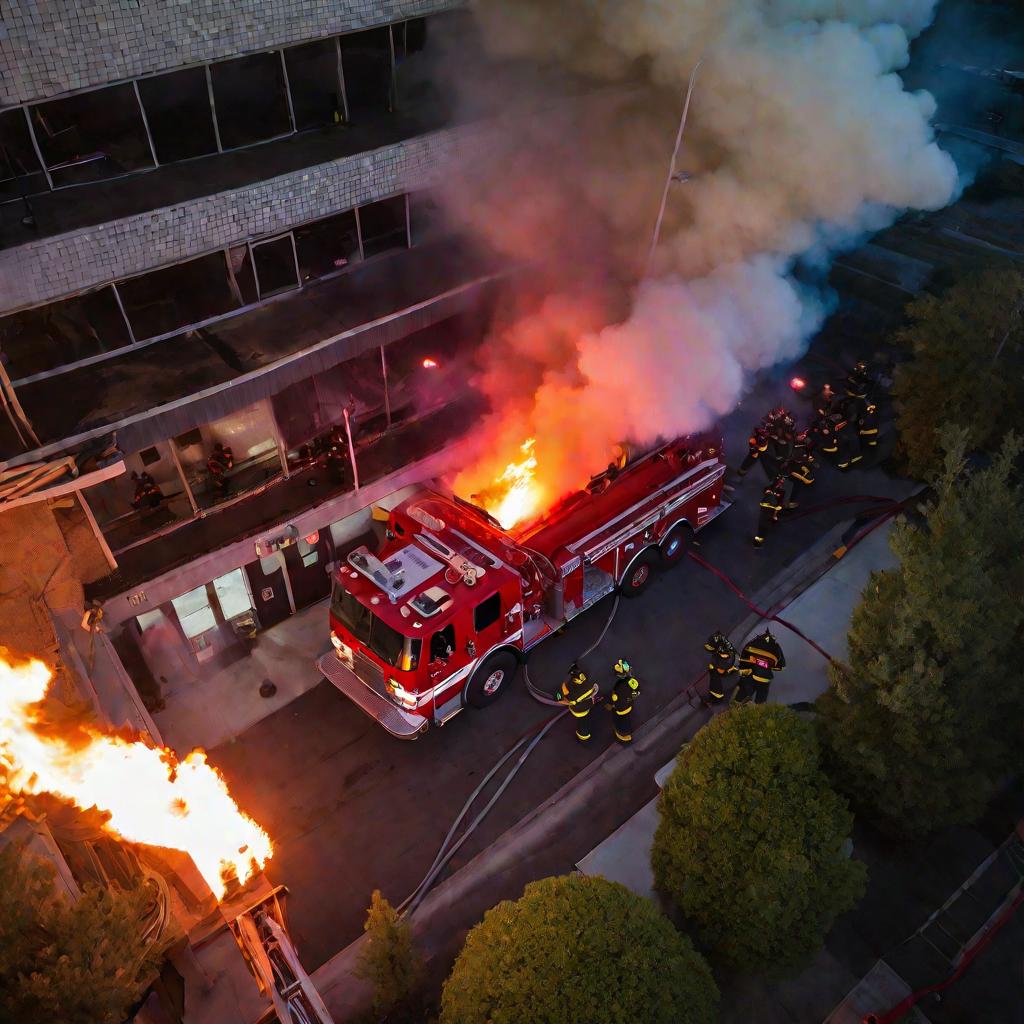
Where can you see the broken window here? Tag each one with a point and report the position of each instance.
(327, 245)
(178, 111)
(20, 171)
(92, 136)
(251, 101)
(275, 265)
(314, 83)
(40, 339)
(164, 301)
(383, 225)
(366, 61)
(240, 264)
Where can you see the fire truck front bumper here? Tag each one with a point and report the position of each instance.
(396, 721)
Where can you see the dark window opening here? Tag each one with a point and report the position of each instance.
(20, 172)
(178, 111)
(250, 99)
(442, 644)
(383, 226)
(166, 300)
(410, 37)
(487, 612)
(426, 218)
(366, 59)
(241, 268)
(415, 77)
(92, 136)
(314, 83)
(36, 340)
(189, 439)
(275, 266)
(149, 456)
(327, 245)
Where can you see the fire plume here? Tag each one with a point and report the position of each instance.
(515, 494)
(150, 796)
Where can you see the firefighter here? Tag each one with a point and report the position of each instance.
(844, 428)
(146, 491)
(781, 439)
(578, 693)
(773, 500)
(798, 467)
(867, 425)
(221, 460)
(625, 690)
(758, 445)
(858, 384)
(824, 436)
(760, 659)
(721, 666)
(826, 400)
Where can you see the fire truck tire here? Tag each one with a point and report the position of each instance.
(491, 679)
(638, 573)
(674, 545)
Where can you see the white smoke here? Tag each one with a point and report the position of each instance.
(801, 137)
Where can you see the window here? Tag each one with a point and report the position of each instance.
(189, 439)
(40, 339)
(487, 612)
(164, 301)
(383, 225)
(20, 172)
(194, 612)
(275, 265)
(393, 648)
(250, 98)
(426, 220)
(314, 83)
(442, 644)
(308, 553)
(92, 136)
(233, 594)
(149, 456)
(327, 245)
(178, 111)
(366, 60)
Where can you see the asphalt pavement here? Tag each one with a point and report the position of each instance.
(351, 809)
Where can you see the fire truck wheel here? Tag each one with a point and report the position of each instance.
(638, 574)
(673, 546)
(491, 679)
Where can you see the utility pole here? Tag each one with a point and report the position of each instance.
(672, 175)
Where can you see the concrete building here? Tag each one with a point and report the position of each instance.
(216, 228)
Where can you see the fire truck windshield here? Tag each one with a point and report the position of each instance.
(401, 652)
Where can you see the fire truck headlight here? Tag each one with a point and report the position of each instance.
(338, 645)
(402, 696)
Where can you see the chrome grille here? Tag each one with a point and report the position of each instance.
(370, 673)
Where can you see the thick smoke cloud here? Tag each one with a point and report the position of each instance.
(801, 138)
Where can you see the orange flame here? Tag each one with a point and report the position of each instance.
(515, 494)
(150, 796)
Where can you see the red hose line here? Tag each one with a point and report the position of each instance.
(973, 952)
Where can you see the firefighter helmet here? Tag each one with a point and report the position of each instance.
(622, 667)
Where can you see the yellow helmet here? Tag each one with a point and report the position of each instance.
(622, 667)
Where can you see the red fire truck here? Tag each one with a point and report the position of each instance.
(442, 614)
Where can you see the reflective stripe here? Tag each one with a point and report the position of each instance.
(624, 711)
(579, 714)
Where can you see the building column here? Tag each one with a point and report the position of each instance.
(97, 533)
(181, 475)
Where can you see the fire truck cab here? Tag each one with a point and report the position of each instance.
(440, 616)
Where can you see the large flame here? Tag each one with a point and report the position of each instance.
(515, 495)
(150, 796)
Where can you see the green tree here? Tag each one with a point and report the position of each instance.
(926, 715)
(77, 962)
(967, 345)
(390, 961)
(578, 950)
(751, 841)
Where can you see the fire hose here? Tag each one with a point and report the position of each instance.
(532, 737)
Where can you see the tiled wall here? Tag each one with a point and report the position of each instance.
(48, 47)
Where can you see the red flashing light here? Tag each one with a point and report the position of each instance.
(798, 383)
(429, 364)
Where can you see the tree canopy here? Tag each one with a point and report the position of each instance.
(77, 962)
(967, 346)
(927, 714)
(751, 842)
(578, 950)
(390, 961)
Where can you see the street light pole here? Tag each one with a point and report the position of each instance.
(671, 170)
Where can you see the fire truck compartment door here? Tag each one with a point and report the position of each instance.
(396, 721)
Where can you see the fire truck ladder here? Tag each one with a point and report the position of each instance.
(263, 938)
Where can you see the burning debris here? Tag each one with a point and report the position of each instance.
(514, 496)
(801, 139)
(149, 795)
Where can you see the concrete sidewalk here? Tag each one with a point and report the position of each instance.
(822, 611)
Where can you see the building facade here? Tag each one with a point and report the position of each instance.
(231, 314)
